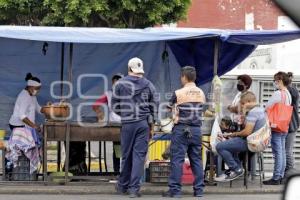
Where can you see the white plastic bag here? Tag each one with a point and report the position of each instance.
(216, 130)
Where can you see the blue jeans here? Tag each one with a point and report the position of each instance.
(229, 151)
(278, 150)
(180, 145)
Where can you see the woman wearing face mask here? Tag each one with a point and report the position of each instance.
(281, 81)
(243, 85)
(27, 105)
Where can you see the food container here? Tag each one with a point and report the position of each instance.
(56, 112)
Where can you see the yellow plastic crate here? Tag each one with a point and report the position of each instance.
(156, 149)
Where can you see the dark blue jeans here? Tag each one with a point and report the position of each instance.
(180, 145)
(134, 147)
(279, 154)
(229, 151)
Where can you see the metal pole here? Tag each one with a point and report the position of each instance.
(70, 63)
(62, 65)
(216, 56)
(68, 123)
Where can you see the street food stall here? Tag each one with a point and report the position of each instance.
(75, 63)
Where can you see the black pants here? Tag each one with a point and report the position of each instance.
(77, 164)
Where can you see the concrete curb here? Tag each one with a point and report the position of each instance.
(108, 189)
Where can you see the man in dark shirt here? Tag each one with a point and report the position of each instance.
(134, 99)
(186, 134)
(294, 125)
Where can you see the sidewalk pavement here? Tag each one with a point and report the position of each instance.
(107, 188)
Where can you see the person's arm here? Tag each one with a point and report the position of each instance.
(251, 119)
(154, 102)
(115, 100)
(233, 109)
(296, 98)
(248, 130)
(28, 122)
(172, 101)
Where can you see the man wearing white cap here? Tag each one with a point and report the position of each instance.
(135, 100)
(27, 105)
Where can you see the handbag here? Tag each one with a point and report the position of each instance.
(280, 115)
(260, 139)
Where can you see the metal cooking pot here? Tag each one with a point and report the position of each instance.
(167, 125)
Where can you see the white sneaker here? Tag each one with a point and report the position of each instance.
(220, 178)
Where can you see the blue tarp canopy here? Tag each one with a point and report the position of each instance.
(45, 52)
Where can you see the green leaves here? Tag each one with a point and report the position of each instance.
(108, 13)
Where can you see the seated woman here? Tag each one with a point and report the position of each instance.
(237, 142)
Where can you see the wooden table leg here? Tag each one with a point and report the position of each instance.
(89, 156)
(67, 153)
(58, 155)
(104, 157)
(100, 155)
(45, 156)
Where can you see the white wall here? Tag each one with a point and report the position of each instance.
(270, 59)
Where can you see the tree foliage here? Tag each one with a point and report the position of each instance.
(104, 13)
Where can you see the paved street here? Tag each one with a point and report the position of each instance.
(115, 197)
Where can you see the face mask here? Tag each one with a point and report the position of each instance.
(240, 87)
(276, 85)
(34, 93)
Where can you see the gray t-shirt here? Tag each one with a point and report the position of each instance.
(256, 116)
(276, 98)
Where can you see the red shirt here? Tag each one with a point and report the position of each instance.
(102, 100)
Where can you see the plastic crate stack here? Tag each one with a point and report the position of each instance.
(22, 171)
(159, 171)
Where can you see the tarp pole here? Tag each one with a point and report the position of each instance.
(70, 63)
(216, 56)
(62, 65)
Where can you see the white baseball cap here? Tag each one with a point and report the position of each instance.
(136, 65)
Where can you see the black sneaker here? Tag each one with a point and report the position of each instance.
(198, 194)
(234, 175)
(170, 195)
(271, 182)
(227, 172)
(135, 195)
(119, 190)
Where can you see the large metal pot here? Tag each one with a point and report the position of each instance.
(56, 112)
(167, 125)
